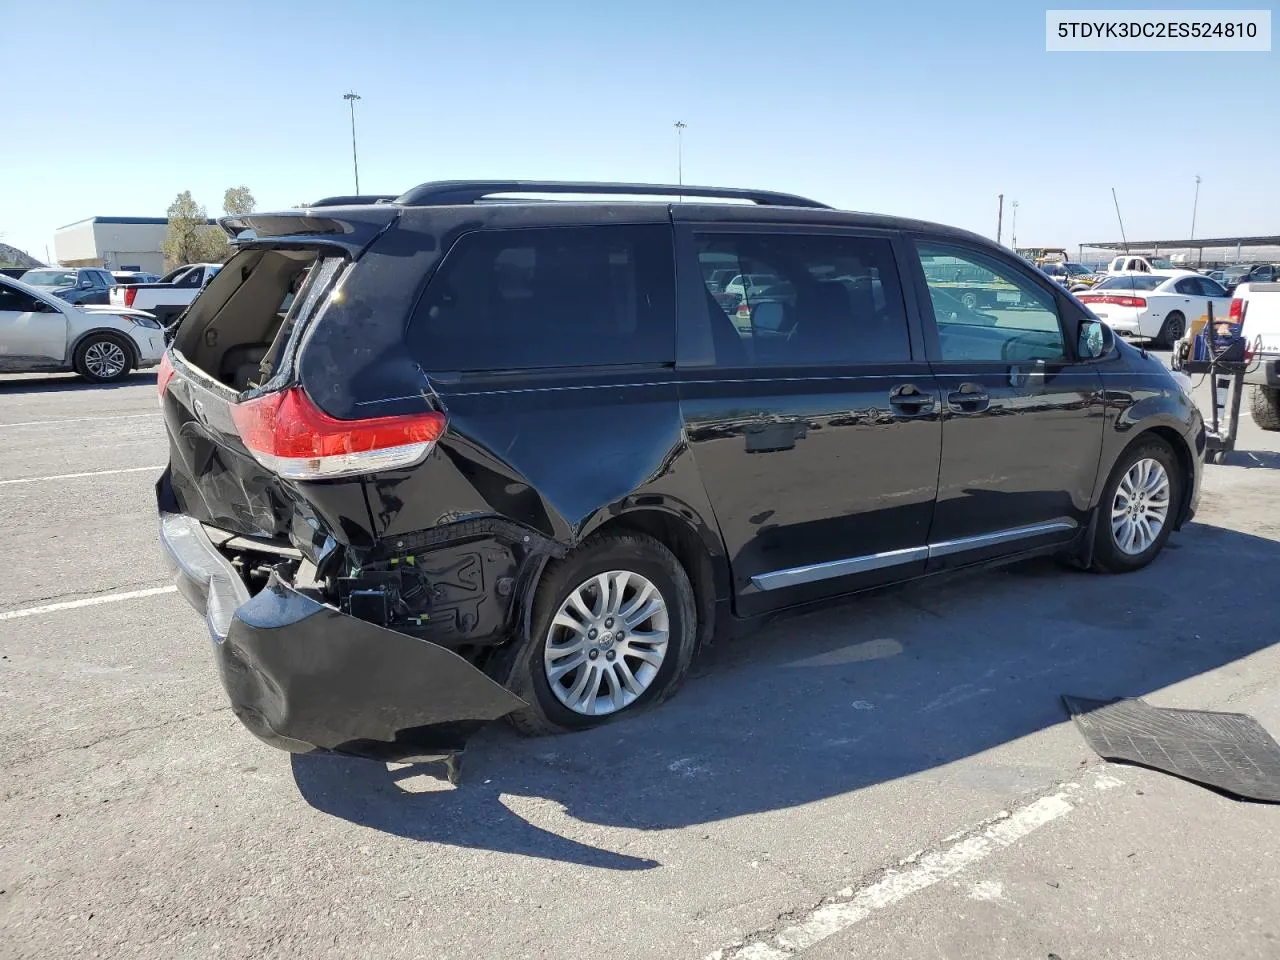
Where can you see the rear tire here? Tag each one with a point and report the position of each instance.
(1264, 405)
(1135, 498)
(1175, 325)
(103, 358)
(630, 558)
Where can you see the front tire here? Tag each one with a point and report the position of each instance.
(103, 358)
(1138, 508)
(1264, 405)
(1175, 325)
(613, 630)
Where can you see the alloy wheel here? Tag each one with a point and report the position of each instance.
(105, 359)
(606, 643)
(1140, 508)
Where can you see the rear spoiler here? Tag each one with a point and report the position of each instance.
(351, 228)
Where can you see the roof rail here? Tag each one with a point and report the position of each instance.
(458, 192)
(353, 200)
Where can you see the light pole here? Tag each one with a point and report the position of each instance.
(351, 97)
(680, 125)
(1013, 227)
(1194, 204)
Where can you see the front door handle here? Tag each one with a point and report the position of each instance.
(970, 398)
(910, 399)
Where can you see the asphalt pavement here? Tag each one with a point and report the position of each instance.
(894, 777)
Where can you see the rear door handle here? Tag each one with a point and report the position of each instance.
(910, 399)
(970, 398)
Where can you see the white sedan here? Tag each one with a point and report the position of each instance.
(1159, 306)
(40, 332)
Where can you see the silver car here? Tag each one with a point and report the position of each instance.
(40, 332)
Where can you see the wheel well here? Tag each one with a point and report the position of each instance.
(123, 339)
(682, 541)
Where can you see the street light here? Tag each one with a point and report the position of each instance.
(351, 97)
(1194, 204)
(680, 125)
(1013, 228)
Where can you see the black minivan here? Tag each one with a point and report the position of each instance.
(517, 449)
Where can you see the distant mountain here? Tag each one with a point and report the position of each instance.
(13, 257)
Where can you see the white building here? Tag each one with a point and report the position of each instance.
(117, 243)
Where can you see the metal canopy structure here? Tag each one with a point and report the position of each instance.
(1234, 246)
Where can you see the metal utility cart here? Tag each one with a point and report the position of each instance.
(1222, 357)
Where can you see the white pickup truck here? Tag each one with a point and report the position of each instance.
(1260, 310)
(170, 296)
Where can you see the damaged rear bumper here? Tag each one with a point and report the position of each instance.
(305, 677)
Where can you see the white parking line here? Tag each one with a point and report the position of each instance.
(40, 423)
(921, 872)
(88, 602)
(76, 476)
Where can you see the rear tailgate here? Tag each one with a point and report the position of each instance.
(249, 316)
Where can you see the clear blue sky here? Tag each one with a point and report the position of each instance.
(921, 109)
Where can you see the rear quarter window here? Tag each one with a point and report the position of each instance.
(548, 297)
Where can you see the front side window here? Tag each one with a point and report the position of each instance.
(1211, 289)
(546, 297)
(986, 311)
(811, 300)
(13, 300)
(1189, 286)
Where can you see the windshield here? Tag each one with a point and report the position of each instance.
(1077, 269)
(1131, 283)
(1229, 272)
(49, 278)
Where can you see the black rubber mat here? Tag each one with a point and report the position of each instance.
(1229, 752)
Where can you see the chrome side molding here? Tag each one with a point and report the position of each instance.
(812, 573)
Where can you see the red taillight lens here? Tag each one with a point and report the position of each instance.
(289, 435)
(165, 373)
(130, 294)
(1138, 302)
(1237, 311)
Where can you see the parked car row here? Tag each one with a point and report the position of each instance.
(42, 331)
(166, 298)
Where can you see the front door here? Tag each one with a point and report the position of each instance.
(32, 333)
(1022, 421)
(812, 415)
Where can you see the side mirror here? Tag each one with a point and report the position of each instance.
(1096, 340)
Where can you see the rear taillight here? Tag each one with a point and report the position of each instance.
(1138, 302)
(130, 294)
(165, 373)
(292, 437)
(1237, 311)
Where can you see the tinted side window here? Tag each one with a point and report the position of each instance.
(1190, 286)
(811, 299)
(550, 297)
(987, 311)
(16, 300)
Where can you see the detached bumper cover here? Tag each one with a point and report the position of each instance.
(305, 677)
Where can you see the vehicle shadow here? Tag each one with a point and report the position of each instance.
(1253, 459)
(69, 382)
(830, 702)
